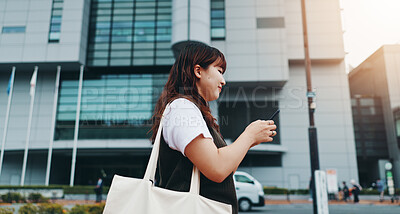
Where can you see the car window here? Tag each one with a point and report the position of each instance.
(243, 179)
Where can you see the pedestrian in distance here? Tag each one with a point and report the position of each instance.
(346, 191)
(99, 190)
(190, 134)
(355, 190)
(310, 189)
(380, 186)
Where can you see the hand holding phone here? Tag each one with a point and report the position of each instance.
(273, 115)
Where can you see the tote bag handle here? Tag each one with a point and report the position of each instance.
(152, 165)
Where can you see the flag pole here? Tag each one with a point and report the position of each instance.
(78, 112)
(32, 93)
(7, 118)
(53, 125)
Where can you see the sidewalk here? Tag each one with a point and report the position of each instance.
(304, 199)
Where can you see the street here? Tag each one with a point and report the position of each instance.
(333, 209)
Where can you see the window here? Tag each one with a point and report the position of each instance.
(55, 21)
(243, 179)
(277, 22)
(369, 127)
(261, 160)
(366, 101)
(114, 106)
(217, 19)
(142, 28)
(13, 29)
(234, 116)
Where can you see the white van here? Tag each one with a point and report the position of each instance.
(249, 191)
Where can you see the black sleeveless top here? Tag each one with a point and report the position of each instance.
(175, 172)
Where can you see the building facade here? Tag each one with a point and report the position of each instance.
(114, 56)
(374, 87)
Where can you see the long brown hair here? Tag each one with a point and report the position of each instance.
(182, 81)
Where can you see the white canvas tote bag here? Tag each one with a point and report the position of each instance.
(140, 196)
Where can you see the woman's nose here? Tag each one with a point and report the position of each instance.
(223, 82)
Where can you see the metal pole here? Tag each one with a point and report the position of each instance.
(28, 135)
(78, 111)
(53, 125)
(312, 130)
(7, 118)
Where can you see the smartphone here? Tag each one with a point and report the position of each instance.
(272, 117)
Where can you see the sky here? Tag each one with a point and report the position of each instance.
(369, 24)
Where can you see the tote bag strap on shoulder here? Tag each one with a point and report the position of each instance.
(152, 165)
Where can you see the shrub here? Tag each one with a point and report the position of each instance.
(88, 209)
(284, 191)
(11, 197)
(299, 192)
(47, 208)
(31, 187)
(37, 198)
(6, 210)
(96, 209)
(82, 190)
(28, 209)
(88, 189)
(369, 192)
(275, 191)
(78, 209)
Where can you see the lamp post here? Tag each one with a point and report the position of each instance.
(312, 130)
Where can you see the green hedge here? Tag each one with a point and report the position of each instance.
(284, 191)
(37, 198)
(275, 191)
(12, 197)
(88, 209)
(82, 190)
(32, 187)
(15, 197)
(299, 192)
(67, 189)
(48, 208)
(375, 192)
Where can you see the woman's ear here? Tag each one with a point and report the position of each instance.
(197, 71)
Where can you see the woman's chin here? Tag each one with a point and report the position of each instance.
(214, 98)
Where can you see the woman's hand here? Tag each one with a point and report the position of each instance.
(203, 153)
(260, 131)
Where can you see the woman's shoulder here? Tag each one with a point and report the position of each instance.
(182, 103)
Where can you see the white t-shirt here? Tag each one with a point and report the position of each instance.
(182, 123)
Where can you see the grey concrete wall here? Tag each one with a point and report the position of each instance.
(254, 54)
(19, 112)
(33, 46)
(332, 118)
(324, 29)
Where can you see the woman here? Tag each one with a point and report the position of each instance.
(190, 133)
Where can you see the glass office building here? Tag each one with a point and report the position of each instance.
(374, 92)
(370, 136)
(102, 64)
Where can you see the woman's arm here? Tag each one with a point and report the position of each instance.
(216, 164)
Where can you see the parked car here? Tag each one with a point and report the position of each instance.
(249, 191)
